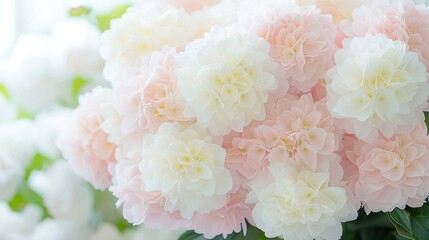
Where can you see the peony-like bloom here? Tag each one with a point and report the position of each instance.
(139, 32)
(85, 144)
(192, 5)
(187, 167)
(140, 206)
(338, 9)
(392, 172)
(148, 99)
(399, 20)
(302, 41)
(8, 110)
(51, 229)
(297, 130)
(298, 205)
(75, 202)
(224, 80)
(230, 218)
(377, 86)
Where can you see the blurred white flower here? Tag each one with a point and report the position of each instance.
(35, 79)
(48, 125)
(18, 225)
(8, 111)
(77, 47)
(107, 231)
(66, 196)
(142, 233)
(51, 229)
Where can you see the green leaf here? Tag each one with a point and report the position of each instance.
(4, 92)
(79, 11)
(24, 196)
(427, 119)
(419, 218)
(103, 21)
(78, 84)
(39, 162)
(401, 220)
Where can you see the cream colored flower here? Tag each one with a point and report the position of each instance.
(225, 79)
(377, 85)
(298, 205)
(186, 166)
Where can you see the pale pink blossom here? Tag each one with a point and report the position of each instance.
(85, 144)
(230, 218)
(302, 40)
(392, 172)
(300, 130)
(399, 20)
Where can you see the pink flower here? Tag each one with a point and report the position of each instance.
(297, 130)
(85, 144)
(399, 20)
(302, 40)
(148, 99)
(138, 205)
(391, 172)
(193, 5)
(230, 218)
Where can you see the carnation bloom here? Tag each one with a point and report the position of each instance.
(377, 85)
(224, 80)
(139, 32)
(18, 225)
(399, 20)
(85, 144)
(296, 204)
(149, 98)
(391, 172)
(338, 9)
(230, 218)
(138, 205)
(298, 129)
(186, 166)
(301, 40)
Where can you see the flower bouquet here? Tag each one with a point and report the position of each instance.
(263, 119)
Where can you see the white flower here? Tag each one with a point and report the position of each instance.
(187, 167)
(377, 85)
(66, 196)
(107, 231)
(297, 205)
(77, 47)
(18, 225)
(51, 229)
(139, 32)
(35, 79)
(11, 174)
(142, 233)
(17, 142)
(8, 111)
(225, 80)
(48, 125)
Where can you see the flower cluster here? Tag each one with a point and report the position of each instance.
(287, 115)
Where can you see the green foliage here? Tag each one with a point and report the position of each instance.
(253, 233)
(103, 21)
(369, 227)
(25, 195)
(411, 223)
(79, 11)
(78, 84)
(39, 162)
(3, 91)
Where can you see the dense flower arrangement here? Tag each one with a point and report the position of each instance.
(286, 115)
